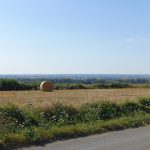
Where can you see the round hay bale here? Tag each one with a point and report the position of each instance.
(46, 86)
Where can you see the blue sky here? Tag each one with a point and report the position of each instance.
(74, 36)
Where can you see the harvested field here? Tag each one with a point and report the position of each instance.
(74, 97)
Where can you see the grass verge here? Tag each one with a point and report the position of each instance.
(26, 126)
(41, 135)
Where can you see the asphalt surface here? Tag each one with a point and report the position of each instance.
(131, 139)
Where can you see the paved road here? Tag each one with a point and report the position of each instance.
(131, 139)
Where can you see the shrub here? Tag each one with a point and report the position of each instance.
(145, 101)
(108, 110)
(119, 85)
(87, 114)
(13, 111)
(31, 135)
(11, 84)
(104, 110)
(14, 118)
(130, 107)
(32, 116)
(8, 84)
(22, 117)
(60, 114)
(7, 124)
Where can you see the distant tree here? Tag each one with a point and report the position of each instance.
(9, 84)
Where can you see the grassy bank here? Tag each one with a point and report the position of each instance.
(29, 125)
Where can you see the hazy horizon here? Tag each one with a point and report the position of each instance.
(71, 74)
(74, 37)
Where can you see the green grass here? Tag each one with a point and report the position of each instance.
(35, 135)
(29, 125)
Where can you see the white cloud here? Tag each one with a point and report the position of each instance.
(133, 40)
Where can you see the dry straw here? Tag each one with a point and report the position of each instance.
(46, 86)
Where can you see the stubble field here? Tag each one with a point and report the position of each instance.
(73, 97)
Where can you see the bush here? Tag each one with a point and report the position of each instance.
(7, 124)
(11, 84)
(8, 84)
(112, 85)
(145, 104)
(130, 107)
(22, 117)
(31, 135)
(32, 116)
(109, 110)
(87, 114)
(30, 125)
(119, 85)
(60, 114)
(105, 110)
(13, 111)
(145, 101)
(14, 118)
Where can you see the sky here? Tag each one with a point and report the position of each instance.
(74, 37)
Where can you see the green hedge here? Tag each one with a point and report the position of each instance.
(26, 121)
(11, 84)
(61, 114)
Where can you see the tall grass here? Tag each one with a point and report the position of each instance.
(28, 124)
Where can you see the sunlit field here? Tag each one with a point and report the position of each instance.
(73, 97)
